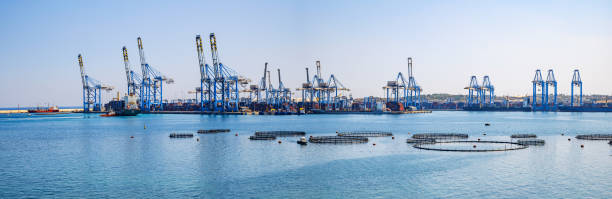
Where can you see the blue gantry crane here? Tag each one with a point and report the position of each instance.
(488, 90)
(326, 92)
(219, 82)
(538, 84)
(480, 95)
(151, 87)
(393, 89)
(308, 93)
(282, 95)
(474, 92)
(550, 82)
(338, 101)
(414, 97)
(219, 91)
(402, 91)
(133, 79)
(576, 82)
(92, 90)
(205, 80)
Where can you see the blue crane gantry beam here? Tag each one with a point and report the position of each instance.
(92, 90)
(576, 82)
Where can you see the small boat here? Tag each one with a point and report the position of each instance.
(302, 141)
(48, 110)
(487, 124)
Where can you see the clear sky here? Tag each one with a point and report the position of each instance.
(363, 43)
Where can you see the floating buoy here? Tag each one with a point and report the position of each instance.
(479, 139)
(132, 136)
(568, 139)
(236, 134)
(484, 134)
(393, 137)
(373, 144)
(474, 146)
(582, 146)
(562, 134)
(280, 141)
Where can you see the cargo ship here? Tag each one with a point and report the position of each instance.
(124, 112)
(47, 110)
(118, 107)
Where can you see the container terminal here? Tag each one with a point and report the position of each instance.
(222, 90)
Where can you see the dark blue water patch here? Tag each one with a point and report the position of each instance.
(395, 176)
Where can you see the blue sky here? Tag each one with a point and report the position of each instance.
(363, 43)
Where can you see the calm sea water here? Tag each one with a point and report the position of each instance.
(81, 155)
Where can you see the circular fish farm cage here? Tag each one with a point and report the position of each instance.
(470, 146)
(440, 136)
(530, 141)
(523, 136)
(595, 137)
(280, 133)
(366, 134)
(338, 139)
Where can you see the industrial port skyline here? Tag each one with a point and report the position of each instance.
(445, 53)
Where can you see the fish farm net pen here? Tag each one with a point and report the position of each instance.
(595, 137)
(181, 135)
(530, 141)
(424, 140)
(262, 137)
(465, 146)
(337, 139)
(213, 131)
(440, 136)
(280, 133)
(523, 136)
(366, 134)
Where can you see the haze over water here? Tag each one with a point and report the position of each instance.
(83, 155)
